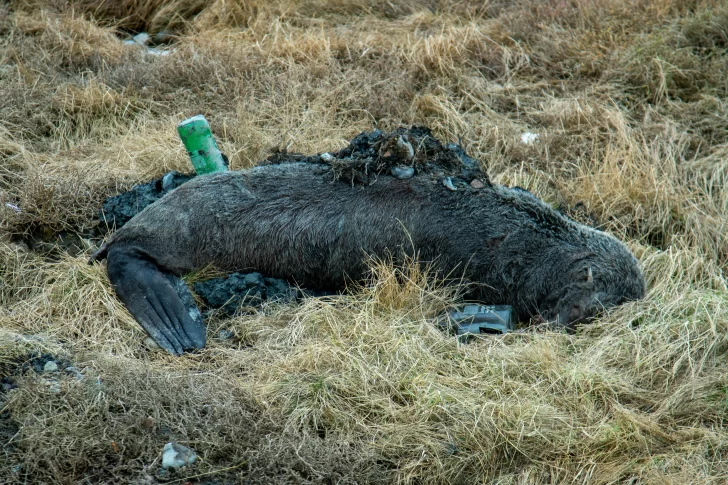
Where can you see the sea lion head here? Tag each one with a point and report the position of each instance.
(595, 281)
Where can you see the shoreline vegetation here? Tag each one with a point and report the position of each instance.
(611, 109)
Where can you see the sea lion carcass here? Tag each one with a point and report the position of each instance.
(296, 221)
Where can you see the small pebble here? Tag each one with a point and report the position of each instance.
(175, 455)
(447, 182)
(167, 179)
(50, 366)
(225, 334)
(477, 184)
(402, 173)
(148, 422)
(327, 157)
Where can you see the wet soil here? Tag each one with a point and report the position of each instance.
(118, 210)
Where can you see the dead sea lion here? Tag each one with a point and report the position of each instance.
(297, 222)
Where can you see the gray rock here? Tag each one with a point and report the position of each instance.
(402, 173)
(225, 334)
(175, 455)
(50, 366)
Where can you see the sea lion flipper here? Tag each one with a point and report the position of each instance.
(159, 301)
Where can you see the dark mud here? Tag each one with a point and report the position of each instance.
(403, 153)
(118, 210)
(243, 290)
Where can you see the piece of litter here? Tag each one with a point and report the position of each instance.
(447, 182)
(529, 138)
(12, 206)
(141, 38)
(175, 456)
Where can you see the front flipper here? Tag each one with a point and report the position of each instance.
(159, 301)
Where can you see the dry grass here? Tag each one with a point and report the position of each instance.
(628, 101)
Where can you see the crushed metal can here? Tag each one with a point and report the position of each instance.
(478, 320)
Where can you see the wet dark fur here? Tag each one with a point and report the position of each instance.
(294, 221)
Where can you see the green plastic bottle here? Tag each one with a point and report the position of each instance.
(200, 144)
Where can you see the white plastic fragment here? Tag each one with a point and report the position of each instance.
(13, 207)
(175, 455)
(327, 157)
(529, 138)
(158, 52)
(142, 38)
(447, 182)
